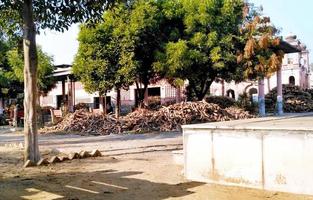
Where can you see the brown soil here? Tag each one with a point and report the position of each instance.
(147, 174)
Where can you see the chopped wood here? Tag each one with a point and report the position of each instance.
(169, 118)
(295, 99)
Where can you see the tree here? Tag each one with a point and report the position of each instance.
(27, 17)
(261, 55)
(98, 61)
(207, 48)
(4, 66)
(45, 82)
(104, 58)
(9, 85)
(121, 50)
(146, 35)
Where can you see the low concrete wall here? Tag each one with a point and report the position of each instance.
(279, 160)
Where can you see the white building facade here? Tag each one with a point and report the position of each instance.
(295, 70)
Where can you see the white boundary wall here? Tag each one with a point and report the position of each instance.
(276, 160)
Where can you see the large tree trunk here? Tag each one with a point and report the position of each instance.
(204, 90)
(15, 117)
(30, 84)
(103, 104)
(141, 94)
(178, 94)
(145, 96)
(223, 87)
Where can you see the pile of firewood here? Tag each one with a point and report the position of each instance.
(295, 99)
(85, 122)
(168, 118)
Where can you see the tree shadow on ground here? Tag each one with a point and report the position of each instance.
(106, 184)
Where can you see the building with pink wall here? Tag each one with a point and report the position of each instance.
(162, 92)
(295, 70)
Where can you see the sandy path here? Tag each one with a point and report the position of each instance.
(135, 167)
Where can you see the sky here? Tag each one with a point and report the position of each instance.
(290, 16)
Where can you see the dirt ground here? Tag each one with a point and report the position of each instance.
(134, 167)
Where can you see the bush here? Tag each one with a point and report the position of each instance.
(245, 102)
(223, 102)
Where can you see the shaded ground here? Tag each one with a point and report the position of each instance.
(135, 167)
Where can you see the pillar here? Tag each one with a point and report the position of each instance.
(261, 99)
(74, 95)
(63, 92)
(70, 95)
(279, 93)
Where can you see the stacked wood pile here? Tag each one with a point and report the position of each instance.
(85, 122)
(81, 106)
(309, 91)
(295, 99)
(168, 118)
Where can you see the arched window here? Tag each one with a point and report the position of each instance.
(231, 93)
(292, 80)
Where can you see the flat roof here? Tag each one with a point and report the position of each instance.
(288, 48)
(288, 122)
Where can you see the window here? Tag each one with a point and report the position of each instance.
(231, 93)
(60, 100)
(292, 80)
(96, 102)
